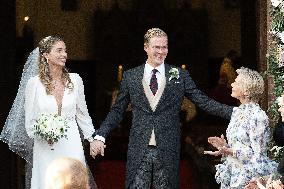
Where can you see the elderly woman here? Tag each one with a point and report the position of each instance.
(248, 134)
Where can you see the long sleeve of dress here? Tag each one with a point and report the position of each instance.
(82, 115)
(258, 136)
(30, 119)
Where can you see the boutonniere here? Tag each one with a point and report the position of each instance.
(174, 74)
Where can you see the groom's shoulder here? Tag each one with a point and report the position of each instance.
(135, 69)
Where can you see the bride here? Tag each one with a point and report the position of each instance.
(47, 87)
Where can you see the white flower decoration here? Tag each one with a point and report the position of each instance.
(174, 74)
(275, 3)
(281, 36)
(279, 100)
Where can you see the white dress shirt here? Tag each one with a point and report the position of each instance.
(148, 73)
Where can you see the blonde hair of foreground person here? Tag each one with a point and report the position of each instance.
(66, 173)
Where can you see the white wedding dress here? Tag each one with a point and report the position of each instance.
(74, 109)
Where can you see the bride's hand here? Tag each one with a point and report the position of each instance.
(217, 142)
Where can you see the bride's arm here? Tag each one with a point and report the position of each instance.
(82, 115)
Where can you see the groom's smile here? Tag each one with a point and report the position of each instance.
(157, 50)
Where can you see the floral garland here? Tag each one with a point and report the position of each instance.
(275, 56)
(275, 65)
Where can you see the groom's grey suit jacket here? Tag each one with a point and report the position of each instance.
(164, 120)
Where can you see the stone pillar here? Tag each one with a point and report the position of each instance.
(262, 44)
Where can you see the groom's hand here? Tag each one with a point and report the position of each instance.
(97, 147)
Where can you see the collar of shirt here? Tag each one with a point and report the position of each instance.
(148, 70)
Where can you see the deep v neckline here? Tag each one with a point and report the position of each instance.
(59, 106)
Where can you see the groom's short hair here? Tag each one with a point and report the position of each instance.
(154, 32)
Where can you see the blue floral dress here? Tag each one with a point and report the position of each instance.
(248, 134)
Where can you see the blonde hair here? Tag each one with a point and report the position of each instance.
(252, 83)
(154, 32)
(66, 173)
(45, 46)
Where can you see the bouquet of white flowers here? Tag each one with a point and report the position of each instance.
(51, 127)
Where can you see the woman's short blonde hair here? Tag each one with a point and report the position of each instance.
(66, 173)
(251, 83)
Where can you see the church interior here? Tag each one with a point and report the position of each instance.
(105, 38)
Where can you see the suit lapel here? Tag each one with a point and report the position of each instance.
(167, 88)
(139, 85)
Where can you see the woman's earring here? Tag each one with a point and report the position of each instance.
(46, 60)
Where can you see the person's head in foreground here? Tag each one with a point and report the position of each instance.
(66, 173)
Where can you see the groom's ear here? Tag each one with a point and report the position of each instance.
(146, 46)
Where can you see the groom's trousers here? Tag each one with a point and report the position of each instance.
(151, 172)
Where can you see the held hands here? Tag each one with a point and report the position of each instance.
(97, 147)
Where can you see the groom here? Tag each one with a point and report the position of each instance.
(155, 91)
